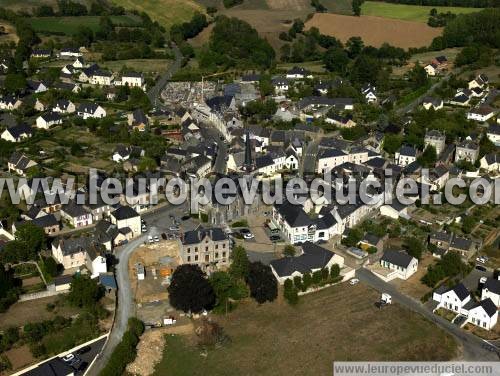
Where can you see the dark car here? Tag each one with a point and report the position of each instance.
(481, 268)
(83, 350)
(83, 366)
(275, 238)
(185, 217)
(244, 231)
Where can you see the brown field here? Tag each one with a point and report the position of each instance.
(21, 313)
(338, 323)
(10, 33)
(20, 357)
(375, 30)
(289, 4)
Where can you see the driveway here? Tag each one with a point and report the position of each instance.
(471, 281)
(473, 347)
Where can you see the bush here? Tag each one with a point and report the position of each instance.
(290, 292)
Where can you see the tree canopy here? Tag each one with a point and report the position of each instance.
(190, 290)
(262, 283)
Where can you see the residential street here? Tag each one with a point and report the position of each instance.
(473, 347)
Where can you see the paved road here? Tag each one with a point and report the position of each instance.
(473, 347)
(309, 158)
(155, 91)
(210, 133)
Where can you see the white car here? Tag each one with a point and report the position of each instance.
(481, 259)
(354, 281)
(150, 239)
(144, 229)
(156, 239)
(174, 228)
(248, 235)
(68, 358)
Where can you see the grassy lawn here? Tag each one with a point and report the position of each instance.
(139, 65)
(70, 25)
(313, 66)
(407, 12)
(167, 12)
(338, 323)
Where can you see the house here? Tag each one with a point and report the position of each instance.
(399, 263)
(138, 120)
(491, 290)
(101, 77)
(482, 113)
(86, 74)
(20, 163)
(483, 314)
(76, 215)
(123, 153)
(63, 282)
(460, 99)
(467, 150)
(465, 247)
(371, 241)
(95, 261)
(81, 251)
(208, 248)
(405, 155)
(370, 93)
(69, 52)
(91, 110)
(198, 166)
(431, 69)
(68, 86)
(453, 299)
(79, 63)
(126, 217)
(435, 139)
(298, 73)
(491, 162)
(328, 159)
(312, 258)
(481, 81)
(431, 102)
(280, 84)
(340, 121)
(251, 78)
(441, 240)
(40, 105)
(36, 87)
(493, 134)
(10, 103)
(45, 121)
(132, 79)
(441, 61)
(17, 133)
(40, 53)
(293, 222)
(47, 222)
(64, 106)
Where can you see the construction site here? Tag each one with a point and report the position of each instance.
(150, 270)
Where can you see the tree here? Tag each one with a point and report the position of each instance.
(336, 60)
(240, 265)
(85, 292)
(226, 288)
(414, 247)
(290, 292)
(418, 76)
(289, 250)
(262, 283)
(33, 236)
(468, 224)
(353, 237)
(392, 142)
(14, 83)
(265, 86)
(428, 157)
(189, 290)
(356, 7)
(354, 46)
(334, 271)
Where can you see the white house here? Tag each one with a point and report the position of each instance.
(132, 79)
(66, 53)
(329, 159)
(431, 102)
(453, 299)
(281, 85)
(481, 81)
(312, 258)
(298, 73)
(45, 121)
(76, 215)
(405, 155)
(370, 93)
(483, 314)
(482, 113)
(20, 163)
(95, 262)
(491, 290)
(17, 133)
(493, 133)
(64, 106)
(101, 77)
(431, 69)
(399, 263)
(291, 160)
(10, 103)
(91, 110)
(79, 63)
(491, 162)
(125, 217)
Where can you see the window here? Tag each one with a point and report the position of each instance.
(206, 249)
(216, 255)
(224, 245)
(189, 250)
(189, 258)
(217, 246)
(195, 257)
(224, 254)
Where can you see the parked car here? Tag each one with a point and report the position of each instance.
(248, 235)
(164, 236)
(481, 259)
(156, 239)
(353, 281)
(144, 229)
(150, 239)
(185, 217)
(480, 268)
(244, 231)
(68, 357)
(174, 228)
(275, 238)
(83, 350)
(83, 366)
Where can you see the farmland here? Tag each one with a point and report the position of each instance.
(166, 12)
(333, 324)
(70, 25)
(418, 13)
(375, 30)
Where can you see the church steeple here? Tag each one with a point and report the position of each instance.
(248, 165)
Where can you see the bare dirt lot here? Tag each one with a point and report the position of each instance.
(412, 286)
(375, 30)
(20, 357)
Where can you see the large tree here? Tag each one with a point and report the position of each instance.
(190, 290)
(85, 292)
(32, 235)
(240, 265)
(262, 283)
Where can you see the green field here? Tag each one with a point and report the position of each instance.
(69, 25)
(166, 12)
(405, 12)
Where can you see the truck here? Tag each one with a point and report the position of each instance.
(385, 299)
